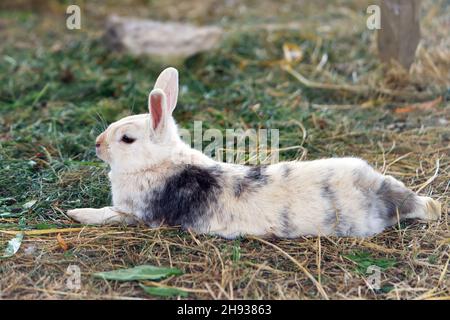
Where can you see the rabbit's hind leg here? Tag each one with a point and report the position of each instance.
(427, 209)
(400, 201)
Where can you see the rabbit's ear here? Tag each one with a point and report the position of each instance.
(168, 82)
(157, 106)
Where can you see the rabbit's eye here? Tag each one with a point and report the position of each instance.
(127, 139)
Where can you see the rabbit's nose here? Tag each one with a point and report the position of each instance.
(99, 140)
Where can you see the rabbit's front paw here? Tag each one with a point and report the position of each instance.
(84, 215)
(100, 216)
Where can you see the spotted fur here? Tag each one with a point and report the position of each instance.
(186, 198)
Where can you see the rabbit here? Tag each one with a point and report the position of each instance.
(158, 179)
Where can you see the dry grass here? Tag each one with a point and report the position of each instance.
(323, 121)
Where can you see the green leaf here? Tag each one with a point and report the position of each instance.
(29, 204)
(236, 254)
(164, 291)
(387, 288)
(7, 215)
(43, 226)
(13, 246)
(144, 272)
(7, 200)
(364, 260)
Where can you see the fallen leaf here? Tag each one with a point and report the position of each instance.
(406, 109)
(292, 52)
(370, 103)
(164, 291)
(319, 123)
(430, 104)
(29, 204)
(44, 226)
(61, 242)
(243, 64)
(13, 246)
(144, 272)
(419, 106)
(7, 201)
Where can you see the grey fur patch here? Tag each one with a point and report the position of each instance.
(286, 170)
(329, 194)
(343, 227)
(287, 228)
(332, 213)
(396, 197)
(253, 178)
(129, 202)
(187, 198)
(334, 217)
(238, 187)
(257, 174)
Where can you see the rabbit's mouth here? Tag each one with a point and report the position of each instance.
(101, 148)
(101, 153)
(98, 152)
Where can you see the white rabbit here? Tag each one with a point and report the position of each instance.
(157, 178)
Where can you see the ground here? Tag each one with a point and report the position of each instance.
(60, 88)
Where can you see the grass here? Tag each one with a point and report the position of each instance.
(60, 88)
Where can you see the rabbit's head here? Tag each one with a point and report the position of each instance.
(137, 142)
